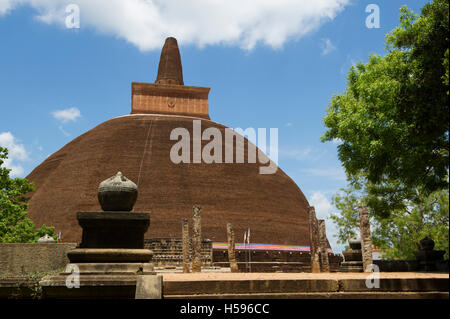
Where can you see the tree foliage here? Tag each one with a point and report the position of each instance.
(393, 117)
(14, 225)
(399, 235)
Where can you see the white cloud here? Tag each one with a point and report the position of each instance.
(321, 204)
(323, 208)
(16, 152)
(145, 23)
(327, 46)
(337, 141)
(71, 114)
(334, 173)
(6, 5)
(288, 124)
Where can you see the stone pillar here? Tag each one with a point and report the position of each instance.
(366, 239)
(197, 239)
(313, 239)
(315, 262)
(186, 246)
(231, 249)
(323, 246)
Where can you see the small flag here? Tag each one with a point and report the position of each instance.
(248, 236)
(245, 237)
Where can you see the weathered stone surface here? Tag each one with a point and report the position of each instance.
(169, 251)
(315, 264)
(366, 238)
(323, 246)
(92, 286)
(113, 268)
(101, 273)
(249, 286)
(397, 284)
(113, 229)
(17, 259)
(197, 239)
(314, 240)
(149, 287)
(186, 246)
(336, 285)
(117, 193)
(231, 248)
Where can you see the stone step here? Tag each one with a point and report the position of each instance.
(320, 295)
(299, 286)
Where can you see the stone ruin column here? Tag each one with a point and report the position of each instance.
(366, 238)
(231, 249)
(197, 239)
(186, 246)
(323, 246)
(313, 239)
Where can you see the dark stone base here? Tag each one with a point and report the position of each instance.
(351, 266)
(92, 286)
(113, 229)
(352, 255)
(95, 255)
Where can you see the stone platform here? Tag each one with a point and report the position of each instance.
(248, 285)
(103, 273)
(305, 285)
(111, 261)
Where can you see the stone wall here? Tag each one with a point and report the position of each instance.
(270, 260)
(18, 259)
(169, 251)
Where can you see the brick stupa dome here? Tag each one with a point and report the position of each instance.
(139, 146)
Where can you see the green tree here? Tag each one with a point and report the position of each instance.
(398, 235)
(14, 225)
(393, 117)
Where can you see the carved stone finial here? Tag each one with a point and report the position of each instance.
(426, 244)
(46, 239)
(354, 242)
(117, 193)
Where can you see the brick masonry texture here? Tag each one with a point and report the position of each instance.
(169, 99)
(139, 146)
(66, 182)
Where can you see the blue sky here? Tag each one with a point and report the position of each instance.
(275, 64)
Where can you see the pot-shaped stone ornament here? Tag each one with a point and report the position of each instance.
(426, 244)
(355, 243)
(117, 193)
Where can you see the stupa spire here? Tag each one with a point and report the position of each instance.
(170, 70)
